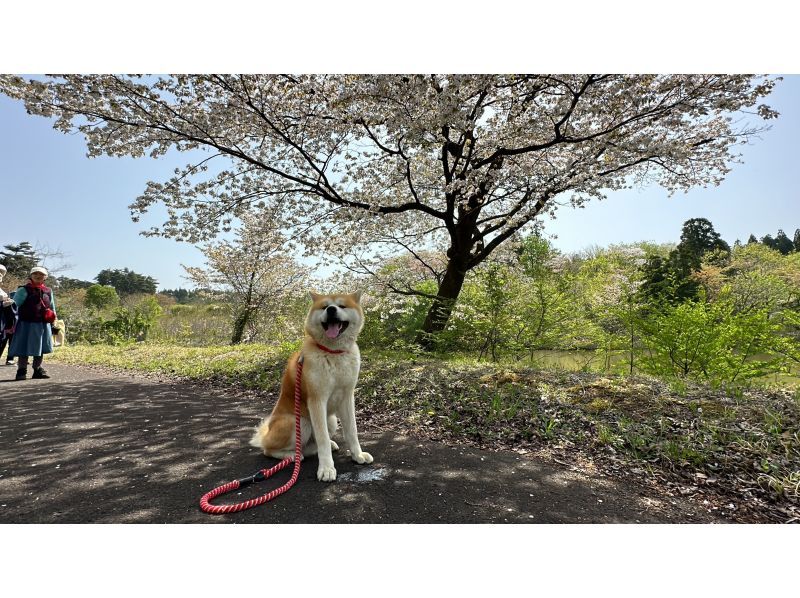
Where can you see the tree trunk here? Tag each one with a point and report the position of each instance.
(442, 306)
(243, 317)
(239, 325)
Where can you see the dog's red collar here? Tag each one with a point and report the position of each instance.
(324, 348)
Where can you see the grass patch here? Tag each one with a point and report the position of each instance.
(251, 366)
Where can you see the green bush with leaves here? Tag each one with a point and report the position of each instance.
(392, 320)
(485, 319)
(709, 342)
(126, 323)
(134, 320)
(99, 297)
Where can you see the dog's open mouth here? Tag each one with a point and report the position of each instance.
(334, 328)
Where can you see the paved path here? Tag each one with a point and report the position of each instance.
(90, 446)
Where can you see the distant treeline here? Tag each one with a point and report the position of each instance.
(125, 282)
(184, 296)
(780, 242)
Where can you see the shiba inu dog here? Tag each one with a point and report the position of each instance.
(331, 362)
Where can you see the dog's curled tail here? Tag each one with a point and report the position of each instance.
(260, 434)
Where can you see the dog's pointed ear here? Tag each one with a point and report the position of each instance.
(356, 296)
(314, 296)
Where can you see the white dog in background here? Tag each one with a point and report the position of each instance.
(59, 338)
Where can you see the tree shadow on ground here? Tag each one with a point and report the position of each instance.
(91, 447)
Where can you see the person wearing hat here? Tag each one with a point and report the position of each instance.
(33, 336)
(8, 318)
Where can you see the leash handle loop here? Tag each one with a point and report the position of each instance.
(263, 474)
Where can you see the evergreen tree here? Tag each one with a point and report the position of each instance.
(656, 284)
(671, 280)
(67, 284)
(768, 241)
(751, 240)
(698, 237)
(19, 259)
(668, 280)
(796, 242)
(783, 243)
(127, 282)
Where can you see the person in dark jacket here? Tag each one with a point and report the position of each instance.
(8, 319)
(33, 336)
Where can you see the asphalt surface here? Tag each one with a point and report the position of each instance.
(92, 446)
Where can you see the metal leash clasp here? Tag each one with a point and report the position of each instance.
(256, 477)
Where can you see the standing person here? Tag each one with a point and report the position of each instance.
(8, 318)
(33, 336)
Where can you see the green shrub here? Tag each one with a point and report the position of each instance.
(101, 297)
(708, 342)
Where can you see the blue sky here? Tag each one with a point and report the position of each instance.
(54, 196)
(61, 199)
(758, 196)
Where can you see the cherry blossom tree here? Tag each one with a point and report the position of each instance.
(358, 165)
(254, 270)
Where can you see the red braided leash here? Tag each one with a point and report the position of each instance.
(262, 474)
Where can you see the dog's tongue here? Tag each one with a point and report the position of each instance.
(333, 330)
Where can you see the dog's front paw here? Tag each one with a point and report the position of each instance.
(362, 458)
(326, 474)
